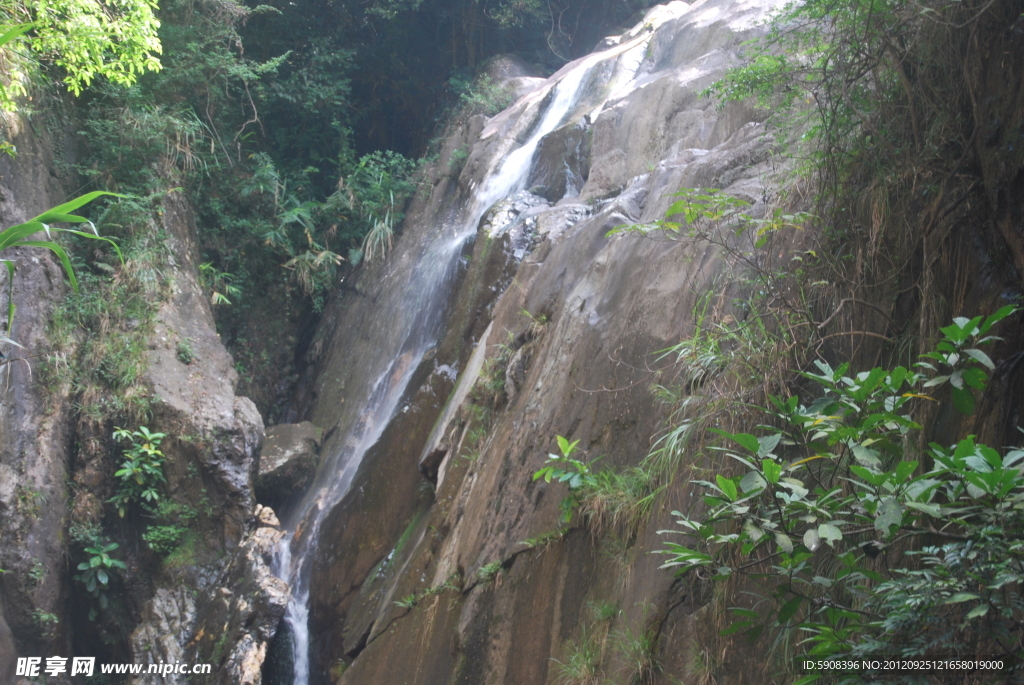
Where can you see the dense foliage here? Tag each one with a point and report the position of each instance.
(868, 544)
(84, 39)
(859, 538)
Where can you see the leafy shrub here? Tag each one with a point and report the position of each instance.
(873, 548)
(163, 539)
(479, 95)
(488, 572)
(563, 468)
(97, 571)
(186, 355)
(219, 283)
(174, 521)
(142, 470)
(85, 38)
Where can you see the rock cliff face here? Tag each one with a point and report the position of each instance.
(211, 454)
(444, 562)
(430, 580)
(510, 312)
(34, 434)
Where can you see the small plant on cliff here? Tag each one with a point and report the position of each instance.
(219, 283)
(96, 573)
(173, 523)
(142, 470)
(45, 622)
(563, 468)
(870, 547)
(608, 500)
(582, 660)
(488, 572)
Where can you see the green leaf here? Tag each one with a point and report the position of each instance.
(752, 481)
(904, 470)
(977, 611)
(830, 533)
(890, 513)
(784, 542)
(812, 540)
(962, 597)
(736, 627)
(1012, 457)
(874, 479)
(959, 331)
(13, 32)
(61, 254)
(975, 378)
(753, 531)
(866, 457)
(931, 509)
(965, 448)
(772, 470)
(996, 317)
(823, 581)
(72, 205)
(789, 609)
(981, 357)
(728, 486)
(744, 440)
(767, 444)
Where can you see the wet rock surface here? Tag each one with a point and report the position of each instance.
(562, 164)
(166, 623)
(566, 354)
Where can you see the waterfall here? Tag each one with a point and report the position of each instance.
(412, 311)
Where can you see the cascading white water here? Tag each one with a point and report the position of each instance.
(417, 297)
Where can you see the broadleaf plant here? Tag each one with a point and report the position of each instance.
(867, 545)
(97, 572)
(142, 471)
(563, 468)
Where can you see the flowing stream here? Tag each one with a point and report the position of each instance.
(412, 311)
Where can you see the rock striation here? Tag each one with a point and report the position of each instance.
(566, 351)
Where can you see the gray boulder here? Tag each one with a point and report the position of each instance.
(288, 462)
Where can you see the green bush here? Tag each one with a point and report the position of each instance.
(174, 522)
(608, 500)
(142, 471)
(871, 546)
(86, 39)
(96, 572)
